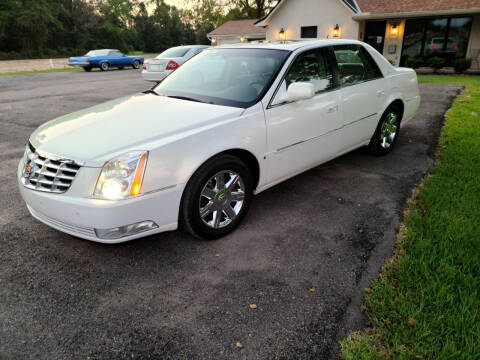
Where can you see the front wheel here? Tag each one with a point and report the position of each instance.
(104, 66)
(136, 64)
(217, 197)
(387, 132)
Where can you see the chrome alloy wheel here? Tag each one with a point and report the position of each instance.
(221, 199)
(389, 130)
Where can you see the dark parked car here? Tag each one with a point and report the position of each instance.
(104, 59)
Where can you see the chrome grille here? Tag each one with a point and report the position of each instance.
(49, 174)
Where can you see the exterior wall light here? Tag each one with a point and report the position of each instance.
(394, 30)
(281, 34)
(336, 31)
(243, 39)
(214, 41)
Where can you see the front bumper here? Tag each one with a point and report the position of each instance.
(80, 216)
(155, 75)
(79, 63)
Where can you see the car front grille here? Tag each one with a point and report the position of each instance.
(49, 174)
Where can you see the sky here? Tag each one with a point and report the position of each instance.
(178, 3)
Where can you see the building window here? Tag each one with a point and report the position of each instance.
(309, 32)
(441, 37)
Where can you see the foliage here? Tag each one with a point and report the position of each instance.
(41, 28)
(414, 62)
(436, 63)
(425, 305)
(462, 65)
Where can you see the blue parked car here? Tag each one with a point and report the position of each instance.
(105, 59)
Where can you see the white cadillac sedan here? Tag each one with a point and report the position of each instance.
(168, 61)
(228, 124)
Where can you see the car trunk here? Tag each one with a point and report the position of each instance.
(78, 59)
(161, 64)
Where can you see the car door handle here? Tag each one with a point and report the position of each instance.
(380, 92)
(332, 109)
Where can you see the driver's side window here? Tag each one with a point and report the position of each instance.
(311, 66)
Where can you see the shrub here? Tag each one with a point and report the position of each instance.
(461, 65)
(414, 62)
(436, 63)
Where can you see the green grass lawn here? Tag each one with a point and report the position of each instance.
(426, 302)
(40, 71)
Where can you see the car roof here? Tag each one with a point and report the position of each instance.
(105, 50)
(290, 45)
(190, 46)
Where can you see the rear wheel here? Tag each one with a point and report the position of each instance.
(104, 66)
(216, 198)
(136, 64)
(87, 68)
(387, 132)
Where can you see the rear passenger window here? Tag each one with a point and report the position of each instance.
(311, 66)
(115, 53)
(355, 64)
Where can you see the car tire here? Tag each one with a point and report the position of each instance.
(387, 132)
(136, 64)
(222, 189)
(87, 68)
(104, 66)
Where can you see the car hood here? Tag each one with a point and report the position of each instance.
(137, 122)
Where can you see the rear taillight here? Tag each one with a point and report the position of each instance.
(144, 67)
(172, 65)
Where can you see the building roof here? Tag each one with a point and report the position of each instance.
(238, 27)
(408, 6)
(350, 4)
(363, 9)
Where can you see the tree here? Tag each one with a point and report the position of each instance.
(30, 28)
(252, 9)
(208, 15)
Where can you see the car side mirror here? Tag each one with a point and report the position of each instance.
(300, 91)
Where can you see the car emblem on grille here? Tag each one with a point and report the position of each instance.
(28, 170)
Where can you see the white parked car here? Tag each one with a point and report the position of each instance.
(168, 61)
(230, 123)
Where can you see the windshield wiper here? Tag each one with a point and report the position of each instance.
(184, 98)
(150, 91)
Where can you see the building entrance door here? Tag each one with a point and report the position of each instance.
(375, 34)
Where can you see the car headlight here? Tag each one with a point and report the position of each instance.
(122, 176)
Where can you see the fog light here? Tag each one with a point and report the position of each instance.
(126, 230)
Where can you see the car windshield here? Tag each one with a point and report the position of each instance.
(97, 53)
(174, 52)
(230, 77)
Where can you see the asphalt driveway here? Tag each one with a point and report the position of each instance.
(172, 296)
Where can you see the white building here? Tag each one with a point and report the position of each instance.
(399, 29)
